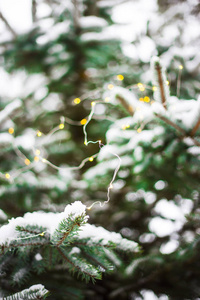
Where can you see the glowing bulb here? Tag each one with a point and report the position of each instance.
(110, 186)
(7, 175)
(146, 99)
(110, 86)
(154, 88)
(180, 67)
(124, 127)
(44, 160)
(141, 87)
(27, 162)
(36, 158)
(93, 103)
(37, 152)
(39, 133)
(107, 99)
(139, 130)
(167, 82)
(83, 121)
(127, 126)
(11, 130)
(141, 99)
(85, 143)
(91, 158)
(120, 77)
(61, 126)
(42, 234)
(77, 100)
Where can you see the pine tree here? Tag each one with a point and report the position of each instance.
(92, 125)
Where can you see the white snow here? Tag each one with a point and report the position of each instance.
(3, 216)
(47, 220)
(9, 109)
(92, 21)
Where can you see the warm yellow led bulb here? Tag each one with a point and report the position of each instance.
(141, 99)
(27, 162)
(11, 130)
(42, 234)
(154, 88)
(167, 82)
(91, 158)
(180, 67)
(83, 121)
(120, 77)
(44, 160)
(93, 103)
(39, 133)
(7, 175)
(37, 152)
(146, 99)
(61, 126)
(107, 99)
(139, 130)
(36, 158)
(110, 86)
(77, 100)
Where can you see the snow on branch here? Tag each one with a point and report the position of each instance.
(10, 109)
(35, 292)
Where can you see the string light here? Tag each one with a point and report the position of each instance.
(139, 130)
(44, 160)
(120, 77)
(167, 82)
(107, 99)
(141, 87)
(93, 103)
(11, 130)
(7, 175)
(27, 162)
(83, 121)
(146, 99)
(91, 158)
(154, 88)
(61, 126)
(36, 158)
(77, 100)
(110, 86)
(180, 67)
(37, 152)
(141, 99)
(39, 133)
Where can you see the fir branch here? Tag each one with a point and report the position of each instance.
(23, 229)
(8, 25)
(35, 292)
(81, 268)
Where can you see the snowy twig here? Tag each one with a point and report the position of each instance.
(195, 128)
(177, 127)
(8, 25)
(161, 84)
(180, 129)
(34, 10)
(128, 107)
